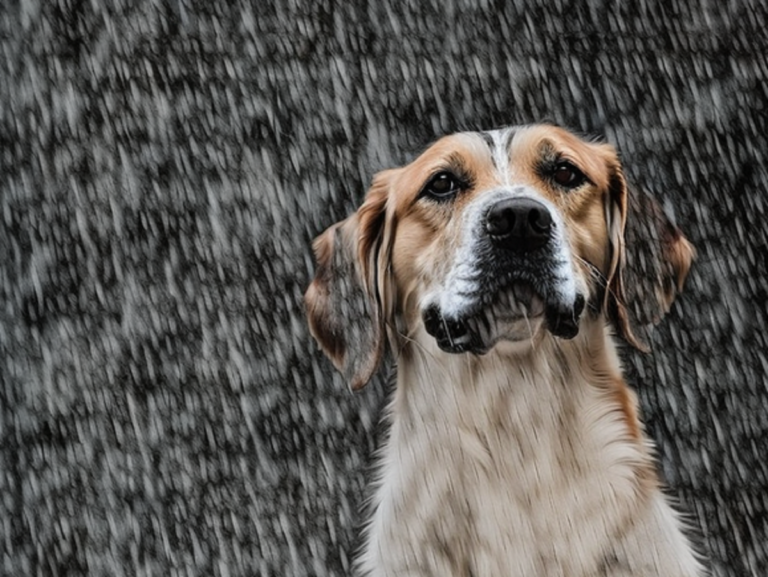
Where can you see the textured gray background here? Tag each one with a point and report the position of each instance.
(163, 169)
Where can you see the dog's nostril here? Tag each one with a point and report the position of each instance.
(540, 220)
(519, 223)
(500, 222)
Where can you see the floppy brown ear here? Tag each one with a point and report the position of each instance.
(343, 302)
(650, 259)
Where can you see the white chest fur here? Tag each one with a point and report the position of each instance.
(518, 463)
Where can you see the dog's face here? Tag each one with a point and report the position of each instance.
(503, 234)
(485, 237)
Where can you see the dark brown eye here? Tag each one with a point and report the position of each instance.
(442, 186)
(568, 176)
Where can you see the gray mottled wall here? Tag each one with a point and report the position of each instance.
(163, 169)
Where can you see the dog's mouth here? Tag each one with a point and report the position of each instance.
(514, 313)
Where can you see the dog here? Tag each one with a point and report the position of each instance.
(493, 269)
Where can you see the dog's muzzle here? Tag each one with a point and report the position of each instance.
(518, 282)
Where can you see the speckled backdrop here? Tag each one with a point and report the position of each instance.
(164, 167)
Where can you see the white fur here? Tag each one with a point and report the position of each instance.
(500, 153)
(518, 463)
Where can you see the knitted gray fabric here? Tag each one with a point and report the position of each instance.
(164, 167)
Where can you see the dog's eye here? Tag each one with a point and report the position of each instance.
(567, 175)
(442, 186)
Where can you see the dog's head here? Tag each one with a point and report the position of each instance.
(485, 237)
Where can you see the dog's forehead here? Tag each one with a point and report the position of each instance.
(519, 145)
(524, 147)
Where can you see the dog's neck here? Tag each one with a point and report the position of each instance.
(550, 398)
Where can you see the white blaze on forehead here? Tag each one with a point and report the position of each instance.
(500, 153)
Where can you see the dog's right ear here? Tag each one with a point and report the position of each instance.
(345, 304)
(650, 258)
(658, 258)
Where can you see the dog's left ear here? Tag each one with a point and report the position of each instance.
(649, 259)
(349, 301)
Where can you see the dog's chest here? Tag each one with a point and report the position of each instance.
(509, 480)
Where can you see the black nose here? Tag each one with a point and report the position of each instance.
(521, 224)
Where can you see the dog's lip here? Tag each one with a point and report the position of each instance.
(565, 323)
(451, 335)
(473, 332)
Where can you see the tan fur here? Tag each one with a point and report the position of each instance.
(529, 460)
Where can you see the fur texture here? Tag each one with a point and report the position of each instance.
(493, 265)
